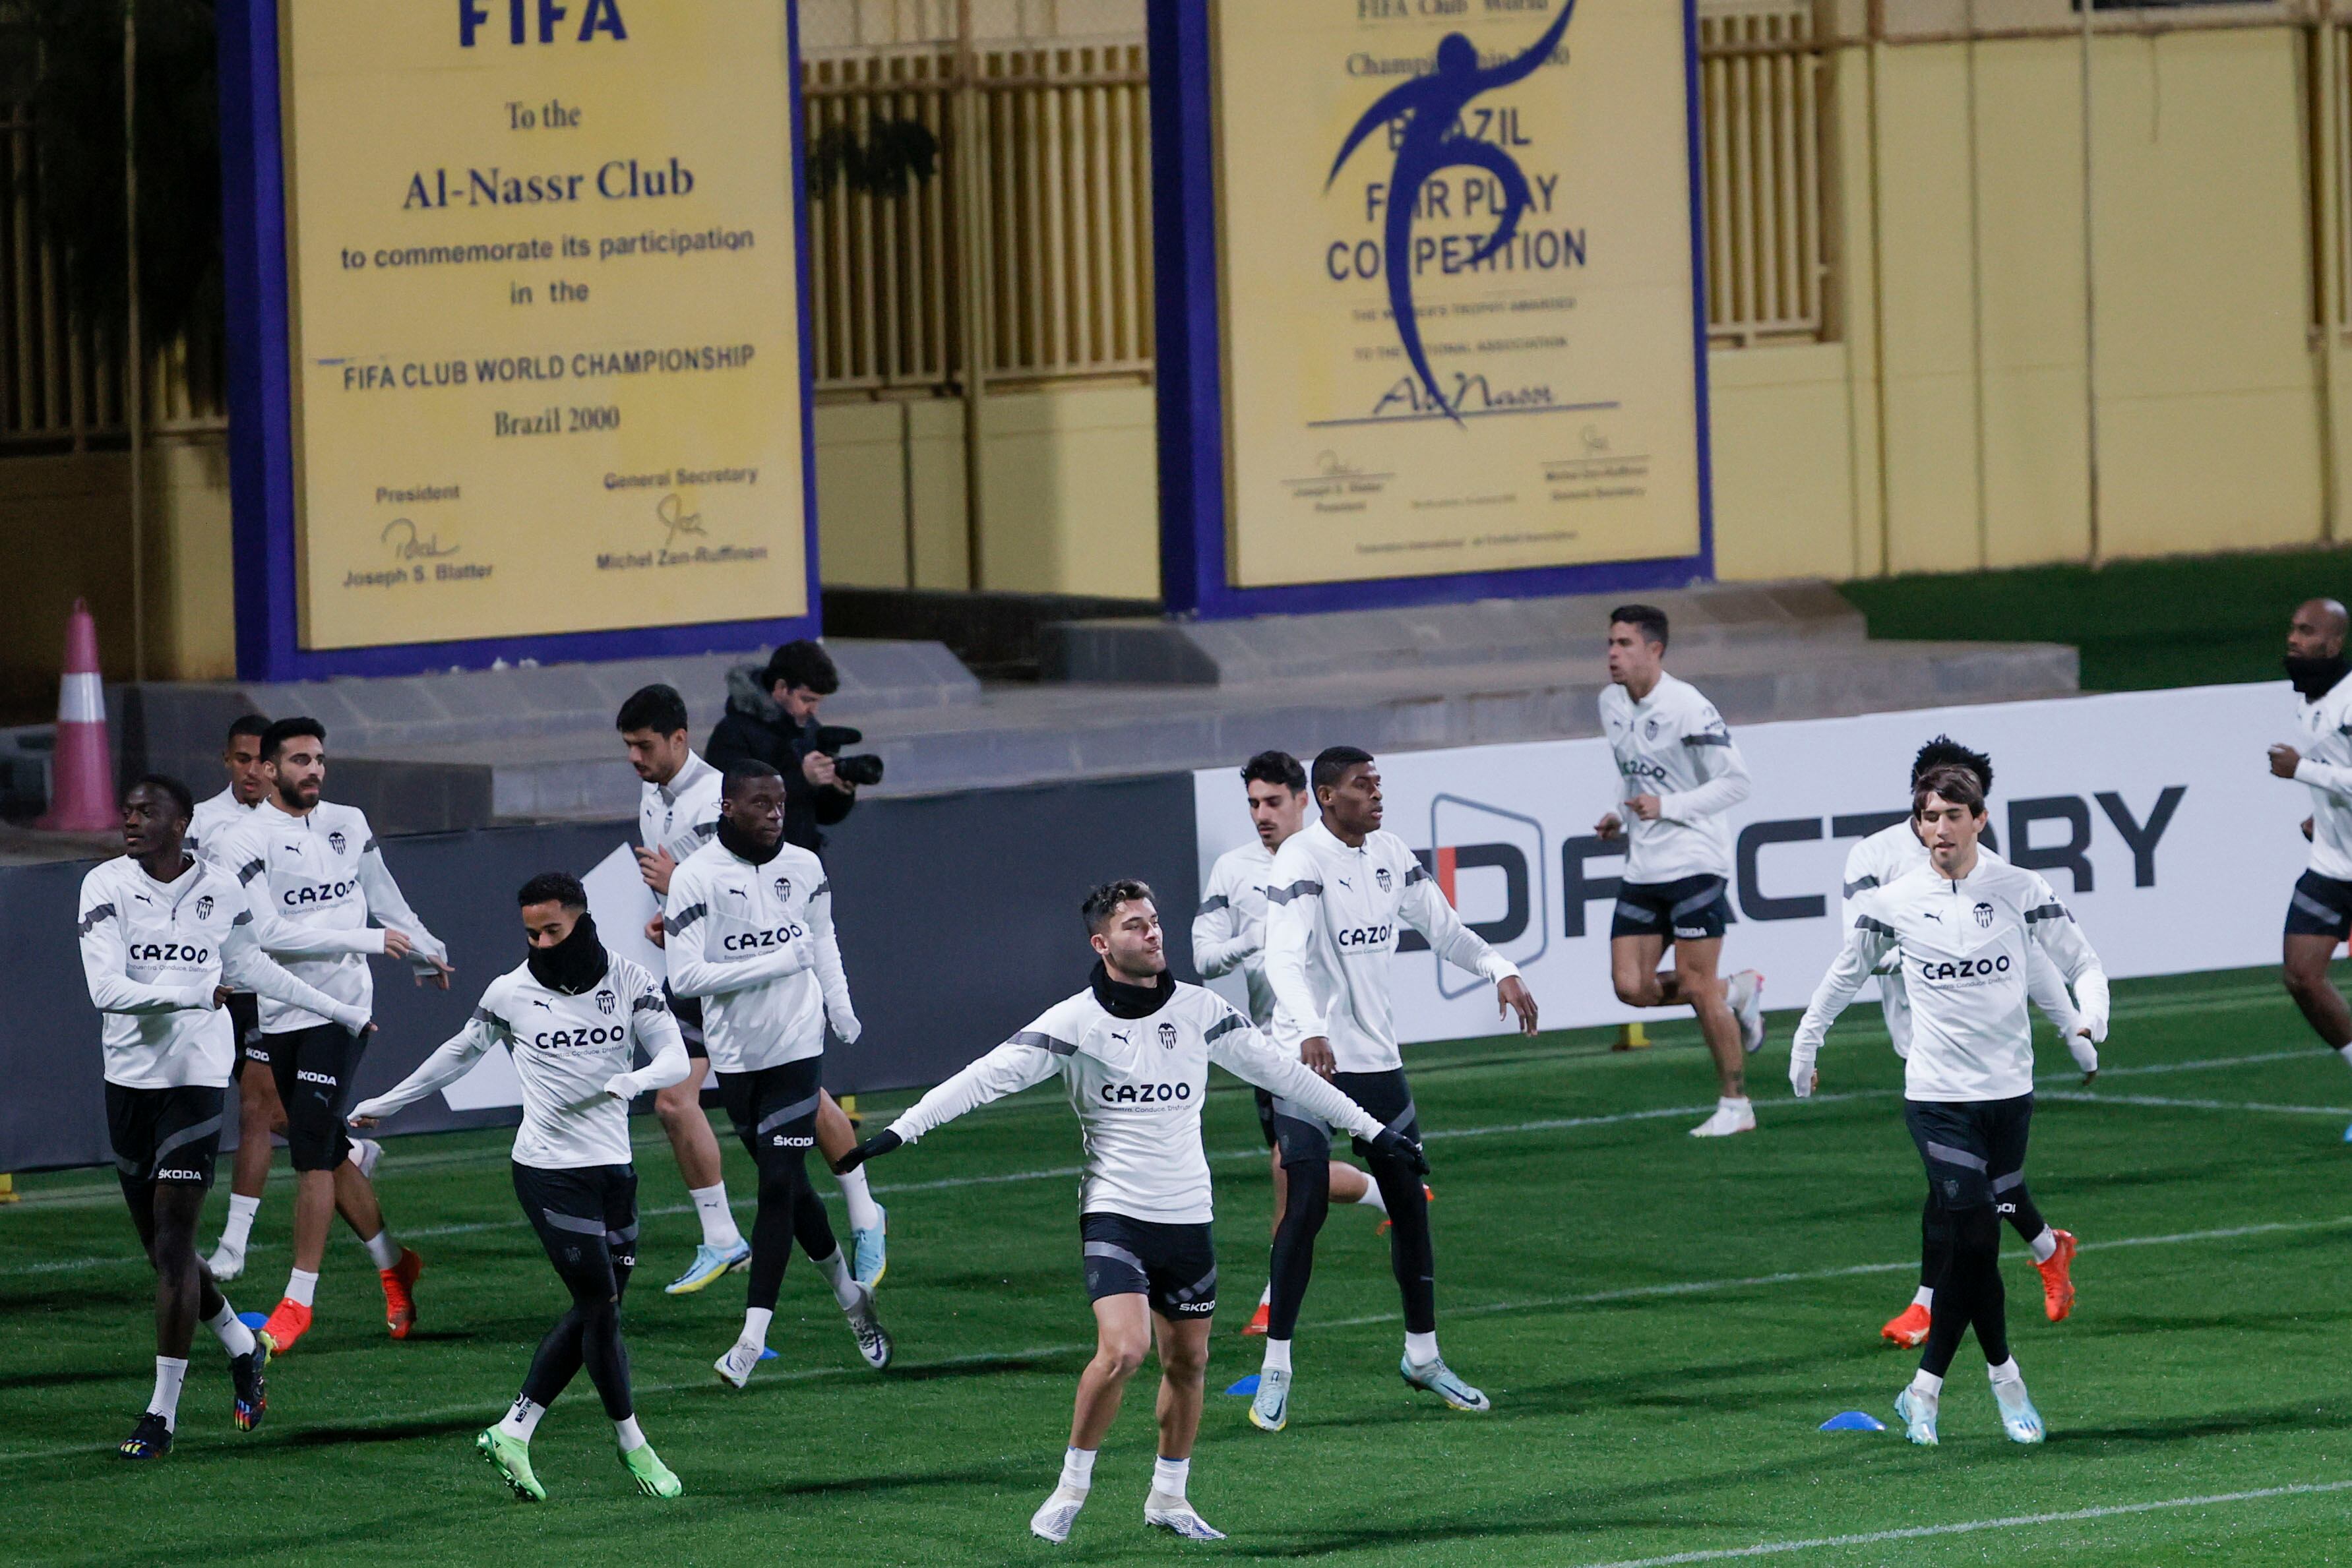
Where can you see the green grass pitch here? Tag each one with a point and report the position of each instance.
(1662, 1324)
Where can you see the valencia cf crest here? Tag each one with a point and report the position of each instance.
(605, 1001)
(1168, 1036)
(335, 840)
(1649, 729)
(1382, 877)
(204, 908)
(1984, 916)
(784, 888)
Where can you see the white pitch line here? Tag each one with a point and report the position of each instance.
(1971, 1527)
(2165, 1103)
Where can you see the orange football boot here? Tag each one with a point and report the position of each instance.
(2058, 1279)
(1909, 1329)
(399, 1306)
(289, 1321)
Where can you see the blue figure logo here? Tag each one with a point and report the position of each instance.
(1433, 140)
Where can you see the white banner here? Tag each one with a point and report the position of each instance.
(2153, 814)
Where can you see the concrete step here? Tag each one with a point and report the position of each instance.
(1018, 734)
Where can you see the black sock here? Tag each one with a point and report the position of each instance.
(1303, 1213)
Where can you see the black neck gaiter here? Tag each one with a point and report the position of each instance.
(740, 845)
(575, 964)
(1122, 1000)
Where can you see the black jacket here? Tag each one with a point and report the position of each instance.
(756, 729)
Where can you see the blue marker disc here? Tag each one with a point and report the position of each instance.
(253, 1320)
(1853, 1421)
(1247, 1385)
(767, 1355)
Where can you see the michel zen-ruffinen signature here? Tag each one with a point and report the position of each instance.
(401, 537)
(673, 516)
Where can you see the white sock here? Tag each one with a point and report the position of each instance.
(2046, 1246)
(1731, 1103)
(1421, 1349)
(755, 1327)
(2007, 1374)
(1925, 1296)
(239, 1228)
(380, 1249)
(235, 1337)
(718, 1219)
(170, 1373)
(1265, 1297)
(1078, 1469)
(2346, 1053)
(626, 1433)
(865, 1214)
(1928, 1383)
(834, 1267)
(1169, 1475)
(1277, 1354)
(521, 1418)
(301, 1287)
(1372, 1197)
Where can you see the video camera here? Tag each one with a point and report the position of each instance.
(865, 769)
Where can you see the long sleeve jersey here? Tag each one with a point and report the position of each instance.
(1229, 930)
(1138, 1084)
(1332, 914)
(2327, 770)
(214, 824)
(1963, 946)
(682, 815)
(756, 943)
(1894, 853)
(153, 953)
(1673, 745)
(567, 1049)
(312, 882)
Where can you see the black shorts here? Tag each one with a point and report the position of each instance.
(1693, 908)
(2322, 906)
(775, 1109)
(1266, 1118)
(1974, 1149)
(586, 1217)
(1304, 1139)
(313, 1068)
(1172, 1266)
(245, 1020)
(687, 1010)
(165, 1134)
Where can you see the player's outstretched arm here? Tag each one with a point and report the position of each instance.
(1026, 1061)
(246, 966)
(1865, 944)
(825, 957)
(454, 1058)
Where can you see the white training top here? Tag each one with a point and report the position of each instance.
(571, 1055)
(1962, 945)
(682, 815)
(213, 823)
(1332, 913)
(1673, 745)
(756, 944)
(1895, 852)
(1229, 931)
(312, 882)
(153, 953)
(1138, 1084)
(2327, 768)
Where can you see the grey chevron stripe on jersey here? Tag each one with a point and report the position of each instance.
(1860, 885)
(1414, 874)
(1306, 887)
(1226, 1026)
(1044, 1042)
(649, 1002)
(101, 912)
(1215, 901)
(1865, 923)
(1709, 740)
(249, 869)
(684, 917)
(2047, 912)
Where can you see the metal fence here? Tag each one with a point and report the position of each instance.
(1763, 82)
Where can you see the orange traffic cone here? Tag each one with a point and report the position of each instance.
(81, 774)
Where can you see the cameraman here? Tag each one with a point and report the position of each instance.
(771, 717)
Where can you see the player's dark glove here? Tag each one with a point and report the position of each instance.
(1397, 1147)
(881, 1143)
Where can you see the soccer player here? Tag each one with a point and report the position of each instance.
(2319, 915)
(1680, 773)
(1895, 850)
(1961, 927)
(313, 875)
(164, 935)
(1134, 1049)
(677, 813)
(1229, 934)
(573, 1017)
(747, 932)
(1335, 896)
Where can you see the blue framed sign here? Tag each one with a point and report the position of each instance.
(1432, 314)
(517, 305)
